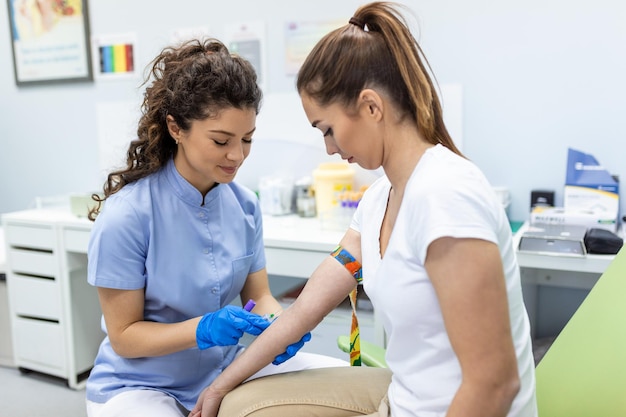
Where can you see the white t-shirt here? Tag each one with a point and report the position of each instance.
(446, 195)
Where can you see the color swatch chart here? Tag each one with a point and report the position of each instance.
(115, 59)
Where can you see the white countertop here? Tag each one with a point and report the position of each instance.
(308, 234)
(48, 215)
(290, 231)
(294, 232)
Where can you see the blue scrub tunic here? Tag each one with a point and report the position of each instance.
(190, 256)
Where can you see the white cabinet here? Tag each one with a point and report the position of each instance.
(54, 313)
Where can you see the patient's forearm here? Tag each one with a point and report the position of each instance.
(327, 287)
(271, 343)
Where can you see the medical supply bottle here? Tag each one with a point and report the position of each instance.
(330, 179)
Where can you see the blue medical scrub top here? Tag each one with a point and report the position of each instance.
(189, 258)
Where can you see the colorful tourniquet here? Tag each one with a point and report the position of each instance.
(347, 260)
(354, 267)
(355, 333)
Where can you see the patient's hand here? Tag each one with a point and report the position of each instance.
(208, 403)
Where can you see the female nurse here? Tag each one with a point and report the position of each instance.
(176, 241)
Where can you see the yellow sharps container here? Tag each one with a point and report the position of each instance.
(330, 179)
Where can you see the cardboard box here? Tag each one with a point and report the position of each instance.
(588, 186)
(564, 216)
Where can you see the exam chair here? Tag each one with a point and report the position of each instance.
(371, 354)
(583, 373)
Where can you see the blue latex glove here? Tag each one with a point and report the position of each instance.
(225, 327)
(291, 350)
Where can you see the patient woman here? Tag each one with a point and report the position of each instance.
(434, 242)
(177, 241)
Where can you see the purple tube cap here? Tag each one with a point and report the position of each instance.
(249, 305)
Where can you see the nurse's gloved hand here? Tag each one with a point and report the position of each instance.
(225, 327)
(292, 350)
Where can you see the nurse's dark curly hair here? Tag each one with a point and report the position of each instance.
(193, 81)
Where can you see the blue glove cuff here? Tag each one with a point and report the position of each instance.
(202, 342)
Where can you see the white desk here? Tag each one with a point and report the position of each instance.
(540, 271)
(294, 247)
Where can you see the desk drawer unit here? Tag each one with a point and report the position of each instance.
(33, 277)
(39, 345)
(54, 313)
(34, 291)
(32, 237)
(34, 262)
(36, 298)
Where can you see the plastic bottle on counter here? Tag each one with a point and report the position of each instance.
(330, 179)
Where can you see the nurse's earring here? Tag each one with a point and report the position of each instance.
(173, 128)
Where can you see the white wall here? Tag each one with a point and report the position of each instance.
(538, 76)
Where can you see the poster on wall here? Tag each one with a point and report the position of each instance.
(248, 40)
(114, 56)
(301, 37)
(50, 41)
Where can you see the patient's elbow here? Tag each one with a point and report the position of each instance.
(506, 391)
(512, 387)
(495, 391)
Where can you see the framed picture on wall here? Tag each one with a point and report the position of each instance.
(50, 40)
